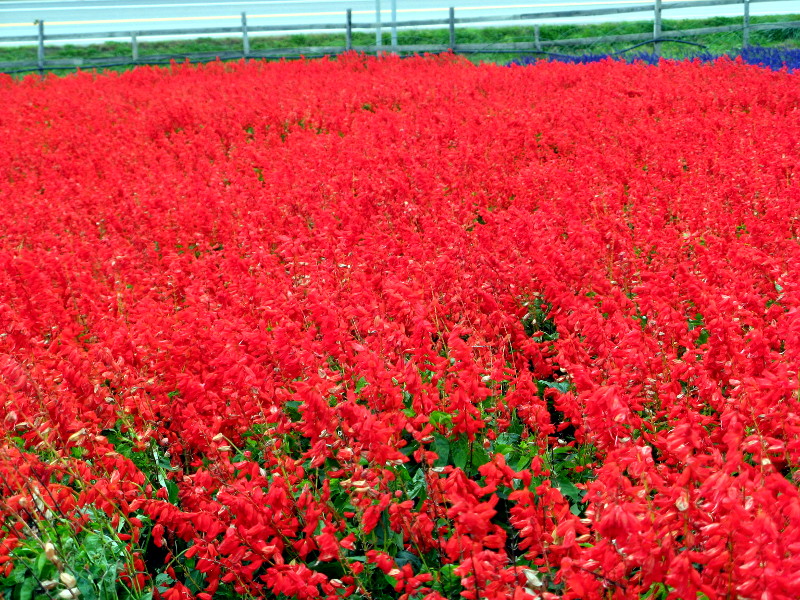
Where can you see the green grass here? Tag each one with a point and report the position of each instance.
(714, 43)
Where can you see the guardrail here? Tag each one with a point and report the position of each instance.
(657, 8)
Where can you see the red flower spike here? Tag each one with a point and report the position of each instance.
(489, 312)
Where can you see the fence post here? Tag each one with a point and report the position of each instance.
(657, 28)
(378, 32)
(452, 26)
(245, 37)
(394, 25)
(134, 47)
(40, 49)
(746, 25)
(537, 40)
(348, 30)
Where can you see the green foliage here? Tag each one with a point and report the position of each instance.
(658, 591)
(714, 43)
(697, 322)
(89, 559)
(151, 459)
(537, 322)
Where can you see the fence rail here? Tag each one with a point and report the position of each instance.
(245, 30)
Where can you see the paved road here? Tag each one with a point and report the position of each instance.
(72, 16)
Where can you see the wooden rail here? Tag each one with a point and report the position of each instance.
(245, 30)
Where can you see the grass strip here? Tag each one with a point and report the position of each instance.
(722, 43)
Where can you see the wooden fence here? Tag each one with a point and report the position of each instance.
(657, 38)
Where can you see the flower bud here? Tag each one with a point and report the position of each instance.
(532, 579)
(78, 435)
(50, 552)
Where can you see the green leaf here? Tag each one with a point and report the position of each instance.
(657, 591)
(418, 485)
(561, 386)
(695, 322)
(390, 580)
(93, 546)
(383, 532)
(163, 581)
(523, 462)
(172, 491)
(409, 449)
(442, 448)
(504, 449)
(87, 589)
(195, 580)
(439, 417)
(448, 582)
(18, 574)
(26, 589)
(108, 583)
(292, 408)
(405, 557)
(361, 384)
(507, 438)
(479, 456)
(568, 490)
(41, 563)
(460, 453)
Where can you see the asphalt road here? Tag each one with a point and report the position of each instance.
(17, 17)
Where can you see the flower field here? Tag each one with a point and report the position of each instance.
(386, 328)
(775, 58)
